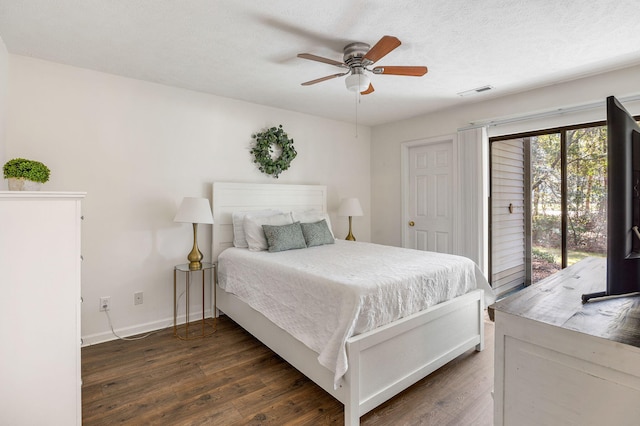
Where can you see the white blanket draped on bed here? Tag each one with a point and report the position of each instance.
(324, 295)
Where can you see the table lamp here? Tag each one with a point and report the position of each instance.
(194, 210)
(350, 207)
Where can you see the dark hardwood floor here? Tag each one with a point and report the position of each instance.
(232, 379)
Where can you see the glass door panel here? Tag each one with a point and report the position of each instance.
(586, 193)
(546, 206)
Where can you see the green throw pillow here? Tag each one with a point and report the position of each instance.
(284, 237)
(317, 234)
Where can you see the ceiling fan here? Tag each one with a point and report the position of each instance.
(358, 57)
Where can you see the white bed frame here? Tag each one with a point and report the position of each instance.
(382, 362)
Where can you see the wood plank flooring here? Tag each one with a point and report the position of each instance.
(230, 378)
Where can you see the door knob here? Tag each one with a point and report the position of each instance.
(412, 223)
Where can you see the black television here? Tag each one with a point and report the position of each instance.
(623, 203)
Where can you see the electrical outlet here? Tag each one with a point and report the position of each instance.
(137, 298)
(105, 303)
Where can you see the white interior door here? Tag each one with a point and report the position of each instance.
(429, 219)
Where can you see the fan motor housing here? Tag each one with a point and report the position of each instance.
(354, 52)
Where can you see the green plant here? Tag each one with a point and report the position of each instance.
(263, 151)
(27, 169)
(540, 254)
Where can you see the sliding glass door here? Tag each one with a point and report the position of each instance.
(548, 203)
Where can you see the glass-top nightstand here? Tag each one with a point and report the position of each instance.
(189, 330)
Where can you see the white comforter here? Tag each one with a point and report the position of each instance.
(324, 295)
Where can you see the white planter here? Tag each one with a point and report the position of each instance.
(21, 184)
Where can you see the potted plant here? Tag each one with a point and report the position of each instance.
(25, 175)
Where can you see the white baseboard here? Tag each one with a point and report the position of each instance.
(107, 336)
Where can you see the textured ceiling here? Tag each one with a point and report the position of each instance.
(247, 49)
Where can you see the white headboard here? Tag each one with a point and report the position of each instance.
(230, 197)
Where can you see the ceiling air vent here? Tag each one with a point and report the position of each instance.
(476, 90)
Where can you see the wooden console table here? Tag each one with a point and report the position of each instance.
(558, 361)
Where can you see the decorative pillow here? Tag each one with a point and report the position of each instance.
(284, 237)
(239, 238)
(312, 216)
(317, 234)
(254, 232)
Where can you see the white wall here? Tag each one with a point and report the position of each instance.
(386, 226)
(137, 148)
(4, 100)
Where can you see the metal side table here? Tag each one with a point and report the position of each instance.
(207, 326)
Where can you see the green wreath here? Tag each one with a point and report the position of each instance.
(264, 149)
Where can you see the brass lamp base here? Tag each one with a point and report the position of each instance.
(195, 256)
(195, 265)
(350, 236)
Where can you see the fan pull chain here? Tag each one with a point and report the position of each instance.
(357, 102)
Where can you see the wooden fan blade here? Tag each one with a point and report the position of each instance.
(385, 45)
(370, 89)
(410, 71)
(318, 80)
(320, 59)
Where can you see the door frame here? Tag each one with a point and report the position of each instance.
(405, 147)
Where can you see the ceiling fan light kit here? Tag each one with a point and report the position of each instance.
(357, 82)
(357, 58)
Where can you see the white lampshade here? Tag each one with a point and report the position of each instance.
(357, 82)
(194, 210)
(350, 207)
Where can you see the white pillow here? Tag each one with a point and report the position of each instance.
(255, 234)
(312, 216)
(239, 239)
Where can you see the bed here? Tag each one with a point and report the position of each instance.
(366, 372)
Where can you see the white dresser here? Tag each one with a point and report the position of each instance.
(559, 362)
(40, 268)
